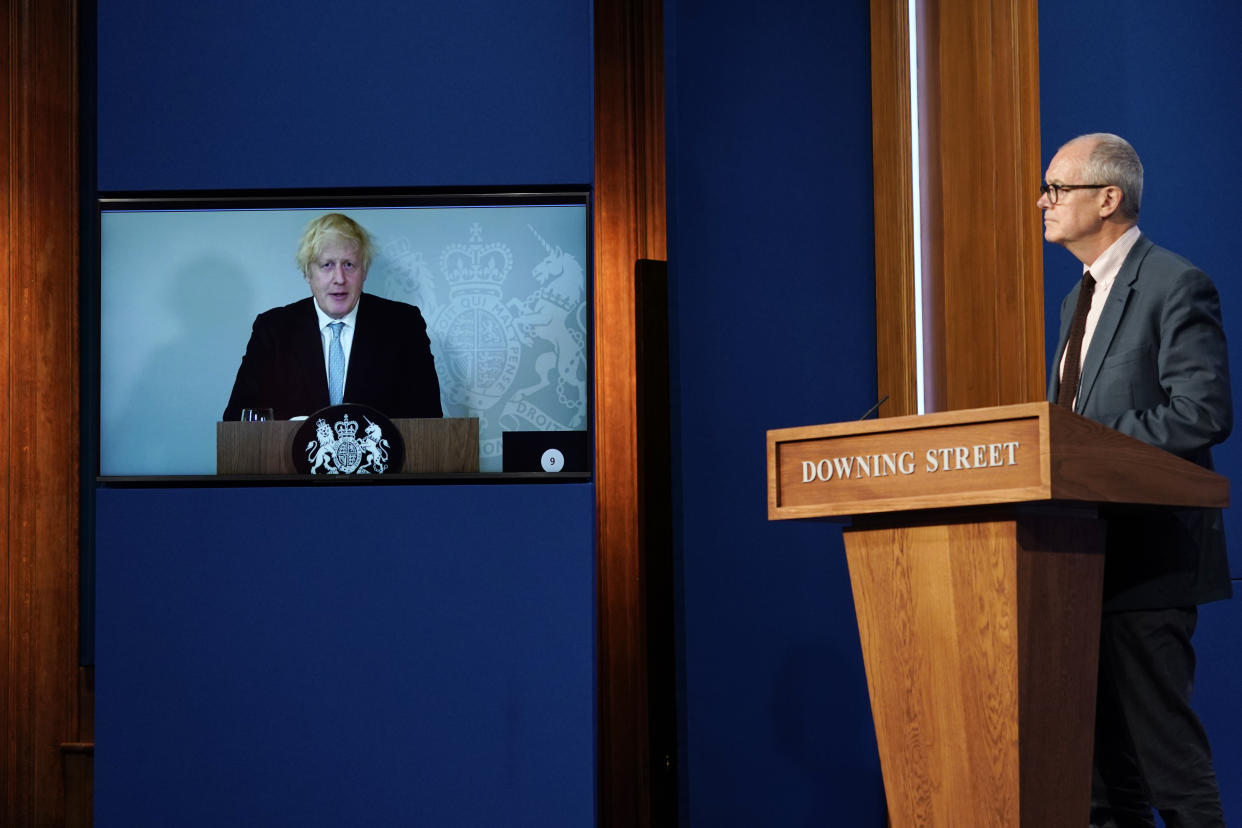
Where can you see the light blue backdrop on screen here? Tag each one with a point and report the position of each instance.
(369, 655)
(180, 289)
(773, 309)
(1165, 77)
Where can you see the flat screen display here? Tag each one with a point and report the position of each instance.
(502, 280)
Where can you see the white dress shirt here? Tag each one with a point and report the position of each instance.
(347, 335)
(1104, 270)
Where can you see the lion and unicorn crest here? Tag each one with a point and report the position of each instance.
(337, 449)
(517, 362)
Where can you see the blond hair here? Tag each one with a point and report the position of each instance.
(329, 228)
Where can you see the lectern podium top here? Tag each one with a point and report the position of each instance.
(432, 445)
(1008, 454)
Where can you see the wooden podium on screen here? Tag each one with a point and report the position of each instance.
(436, 445)
(976, 559)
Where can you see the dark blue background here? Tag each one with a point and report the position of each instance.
(388, 655)
(772, 304)
(379, 655)
(773, 297)
(252, 671)
(294, 93)
(1166, 78)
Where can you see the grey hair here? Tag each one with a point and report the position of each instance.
(1114, 161)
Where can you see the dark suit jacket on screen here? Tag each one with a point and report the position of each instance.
(390, 364)
(1157, 369)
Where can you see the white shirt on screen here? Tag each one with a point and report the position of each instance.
(347, 334)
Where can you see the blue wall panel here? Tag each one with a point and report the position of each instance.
(320, 94)
(272, 656)
(1165, 78)
(1218, 644)
(772, 282)
(383, 655)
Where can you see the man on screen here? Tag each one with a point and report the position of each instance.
(339, 344)
(1142, 350)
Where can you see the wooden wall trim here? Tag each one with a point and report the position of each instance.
(629, 208)
(895, 344)
(989, 256)
(39, 673)
(980, 162)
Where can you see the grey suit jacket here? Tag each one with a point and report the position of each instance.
(1158, 369)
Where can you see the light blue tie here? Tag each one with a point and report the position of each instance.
(336, 366)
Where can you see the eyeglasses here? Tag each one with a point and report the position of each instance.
(1053, 191)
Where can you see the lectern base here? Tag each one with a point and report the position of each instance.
(979, 631)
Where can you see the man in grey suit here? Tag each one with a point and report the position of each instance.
(1142, 350)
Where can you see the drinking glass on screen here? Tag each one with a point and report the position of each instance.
(256, 415)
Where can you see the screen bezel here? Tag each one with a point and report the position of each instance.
(326, 199)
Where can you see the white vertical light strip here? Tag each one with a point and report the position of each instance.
(916, 195)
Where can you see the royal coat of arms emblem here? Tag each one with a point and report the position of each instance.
(329, 442)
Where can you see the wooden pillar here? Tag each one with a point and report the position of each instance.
(979, 169)
(629, 225)
(41, 703)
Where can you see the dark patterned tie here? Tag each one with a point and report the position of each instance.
(1073, 345)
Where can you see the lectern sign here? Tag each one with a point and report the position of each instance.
(958, 458)
(839, 467)
(942, 459)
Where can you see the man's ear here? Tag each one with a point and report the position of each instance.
(1111, 201)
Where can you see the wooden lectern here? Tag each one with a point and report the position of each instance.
(976, 559)
(431, 445)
